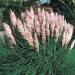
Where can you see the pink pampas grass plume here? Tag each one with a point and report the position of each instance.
(30, 20)
(20, 26)
(58, 26)
(70, 31)
(9, 34)
(32, 13)
(47, 24)
(52, 22)
(37, 25)
(28, 24)
(24, 31)
(12, 18)
(67, 34)
(61, 23)
(22, 16)
(43, 24)
(40, 15)
(28, 36)
(30, 17)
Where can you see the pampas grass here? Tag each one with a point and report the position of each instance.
(41, 43)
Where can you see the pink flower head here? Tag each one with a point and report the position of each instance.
(47, 24)
(13, 18)
(8, 32)
(30, 20)
(39, 15)
(43, 24)
(52, 22)
(28, 36)
(32, 13)
(20, 27)
(22, 16)
(37, 24)
(52, 17)
(67, 34)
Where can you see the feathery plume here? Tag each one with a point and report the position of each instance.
(47, 24)
(12, 18)
(29, 20)
(37, 25)
(32, 13)
(67, 34)
(20, 27)
(28, 36)
(22, 16)
(52, 22)
(43, 24)
(9, 34)
(39, 15)
(25, 33)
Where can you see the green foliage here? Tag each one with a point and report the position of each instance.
(6, 3)
(3, 3)
(68, 67)
(24, 60)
